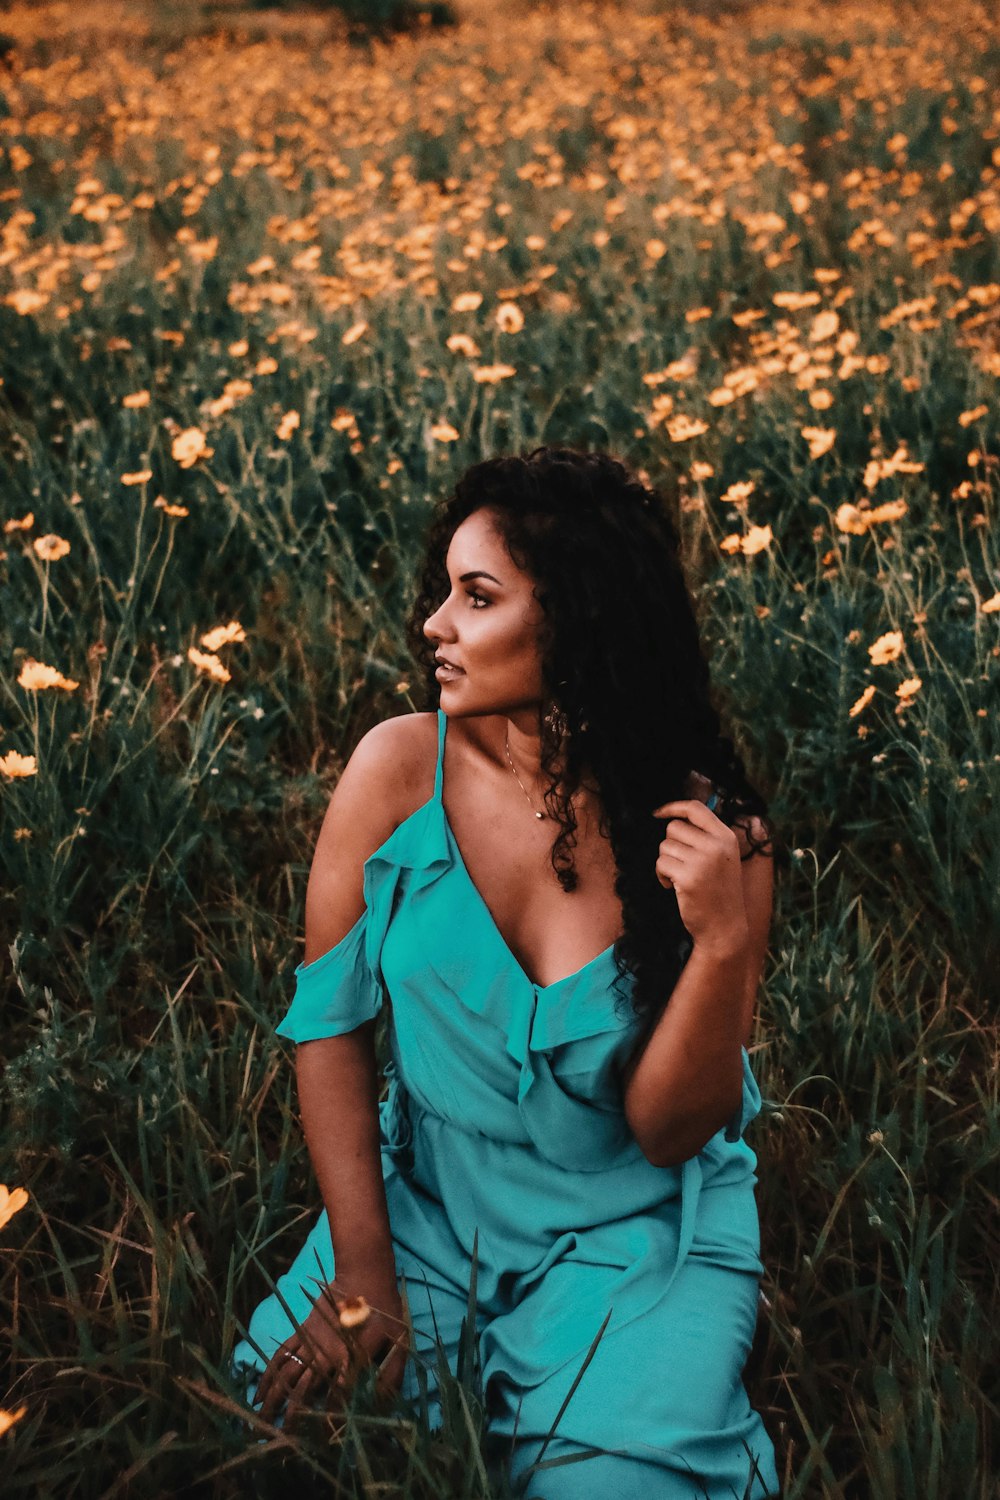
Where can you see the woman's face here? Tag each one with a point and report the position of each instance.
(488, 626)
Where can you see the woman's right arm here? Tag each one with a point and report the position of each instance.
(337, 1076)
(338, 1097)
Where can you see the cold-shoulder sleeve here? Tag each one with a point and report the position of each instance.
(337, 992)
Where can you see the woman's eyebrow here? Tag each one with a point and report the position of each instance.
(479, 574)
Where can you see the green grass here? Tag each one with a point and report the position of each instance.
(155, 860)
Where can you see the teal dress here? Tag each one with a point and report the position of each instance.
(503, 1116)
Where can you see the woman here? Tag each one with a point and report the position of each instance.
(568, 1074)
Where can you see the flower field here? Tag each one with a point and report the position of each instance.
(264, 294)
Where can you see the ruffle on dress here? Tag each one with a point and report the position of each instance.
(541, 1025)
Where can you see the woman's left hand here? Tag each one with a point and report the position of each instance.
(699, 858)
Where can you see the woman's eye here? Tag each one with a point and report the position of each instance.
(481, 597)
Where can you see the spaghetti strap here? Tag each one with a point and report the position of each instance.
(439, 771)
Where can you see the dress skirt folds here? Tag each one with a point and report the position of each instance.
(504, 1116)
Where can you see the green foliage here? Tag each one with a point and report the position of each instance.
(156, 858)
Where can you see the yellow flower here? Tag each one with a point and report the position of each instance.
(701, 470)
(24, 524)
(137, 399)
(795, 301)
(239, 348)
(663, 405)
(222, 635)
(909, 688)
(824, 326)
(211, 665)
(51, 547)
(886, 648)
(354, 332)
(969, 417)
(352, 1311)
(162, 503)
(10, 1203)
(682, 427)
(289, 422)
(188, 446)
(460, 343)
(883, 468)
(443, 432)
(8, 1418)
(756, 539)
(862, 702)
(13, 765)
(467, 302)
(737, 493)
(203, 250)
(820, 439)
(491, 374)
(140, 476)
(25, 301)
(892, 510)
(850, 519)
(509, 318)
(749, 317)
(35, 676)
(266, 365)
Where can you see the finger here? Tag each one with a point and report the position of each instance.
(682, 833)
(669, 866)
(277, 1381)
(265, 1387)
(296, 1392)
(684, 807)
(274, 1394)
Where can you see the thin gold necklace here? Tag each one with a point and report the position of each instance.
(519, 781)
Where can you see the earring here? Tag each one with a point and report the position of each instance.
(556, 719)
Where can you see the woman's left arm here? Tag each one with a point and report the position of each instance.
(687, 1081)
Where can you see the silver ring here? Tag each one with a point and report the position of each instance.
(290, 1355)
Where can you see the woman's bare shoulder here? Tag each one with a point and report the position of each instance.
(389, 774)
(405, 748)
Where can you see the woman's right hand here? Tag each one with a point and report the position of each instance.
(327, 1355)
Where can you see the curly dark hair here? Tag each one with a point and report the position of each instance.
(621, 657)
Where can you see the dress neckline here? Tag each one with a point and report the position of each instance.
(438, 796)
(458, 862)
(576, 974)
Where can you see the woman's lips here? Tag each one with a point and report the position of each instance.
(448, 674)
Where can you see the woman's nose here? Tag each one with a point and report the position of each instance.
(431, 630)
